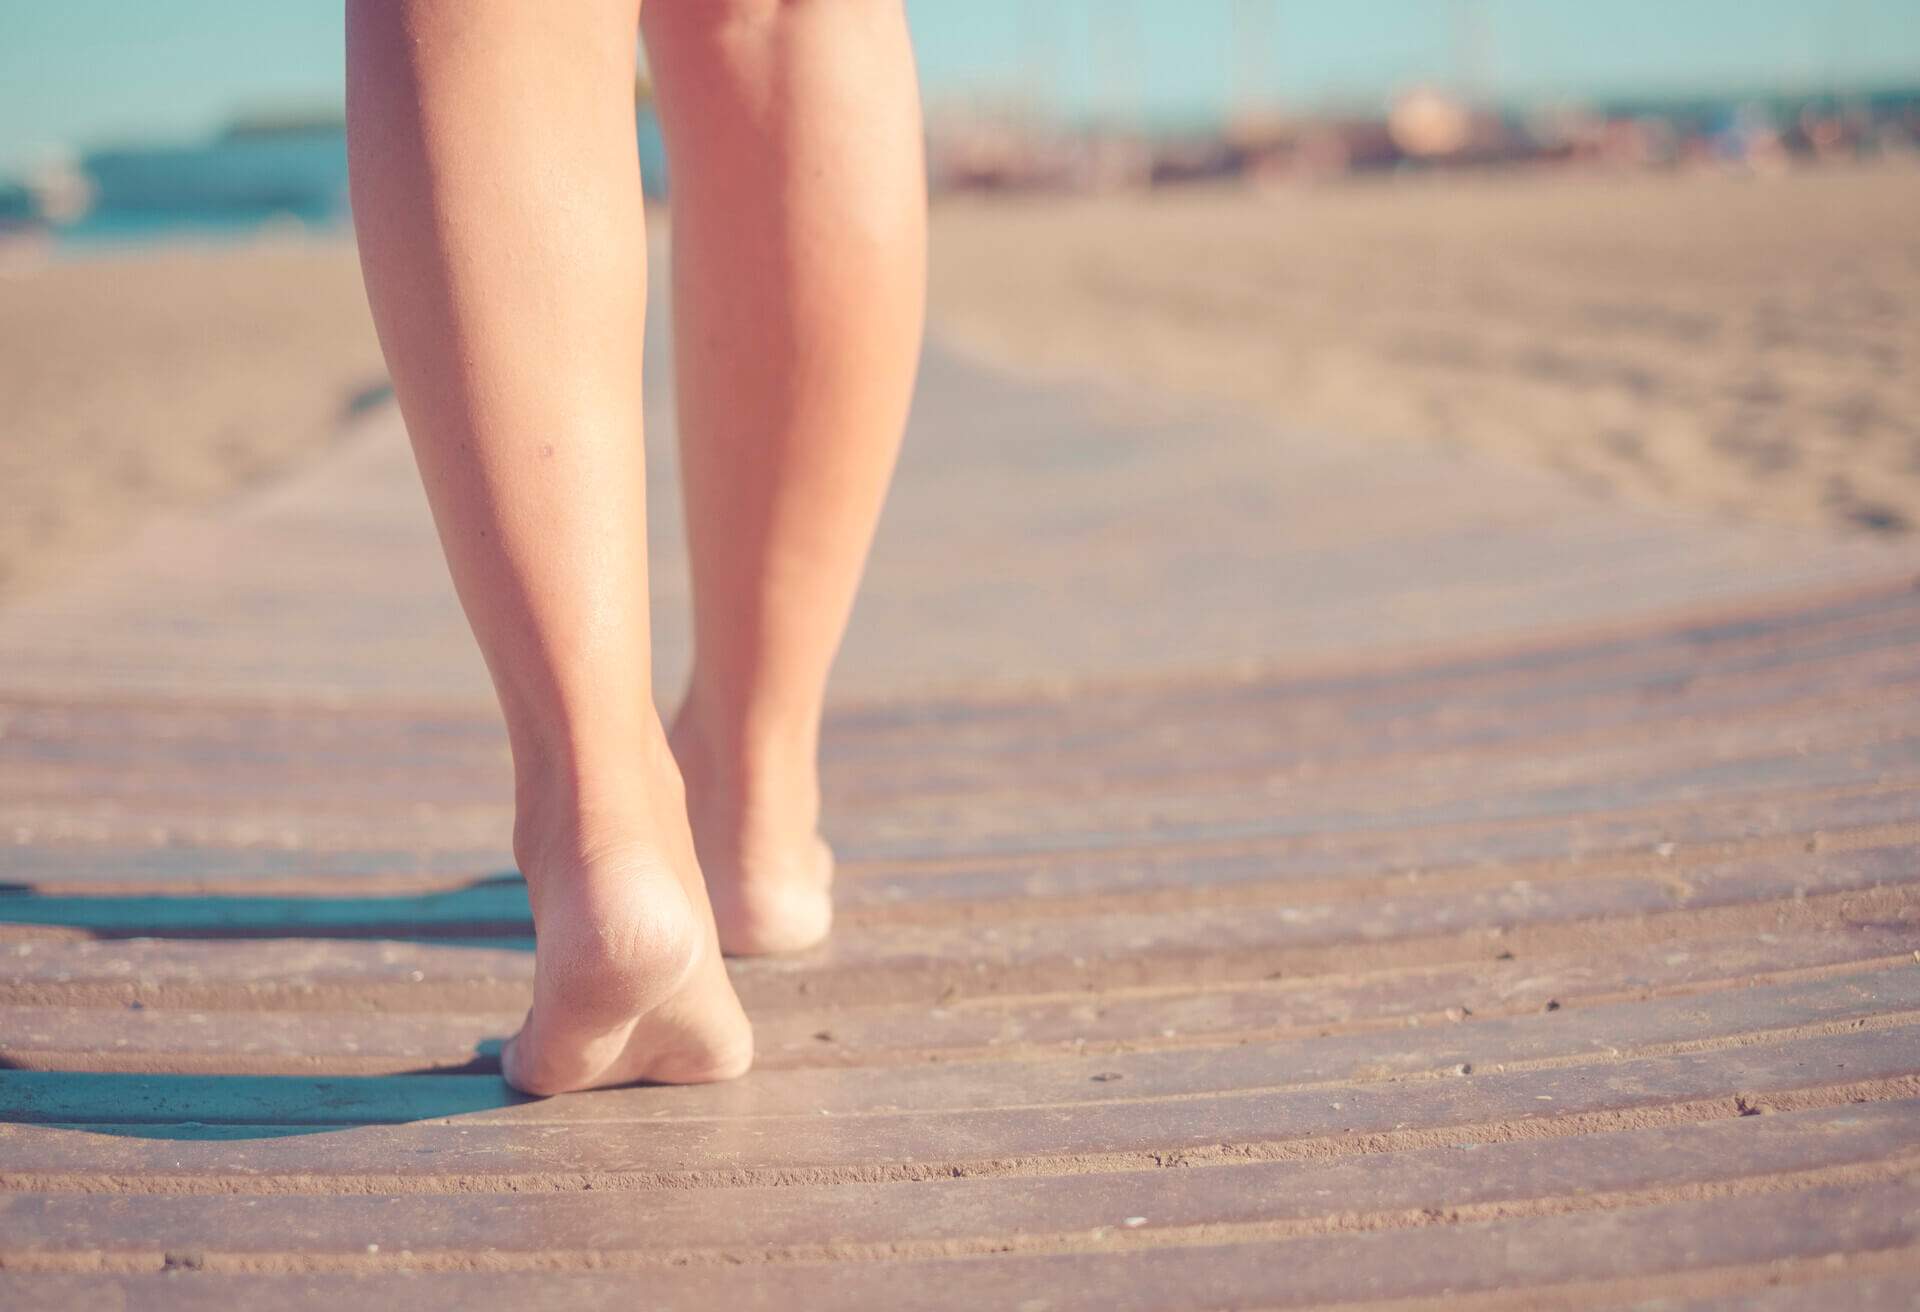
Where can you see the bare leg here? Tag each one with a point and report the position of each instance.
(799, 234)
(497, 197)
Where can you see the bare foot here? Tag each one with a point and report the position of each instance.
(629, 984)
(756, 825)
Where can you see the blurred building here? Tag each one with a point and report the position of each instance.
(976, 149)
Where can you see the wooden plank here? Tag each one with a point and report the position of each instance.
(995, 1027)
(1198, 764)
(1671, 657)
(468, 1133)
(1201, 943)
(1609, 1170)
(940, 962)
(1116, 882)
(1669, 652)
(1439, 795)
(319, 772)
(1713, 1249)
(1692, 833)
(949, 830)
(1436, 793)
(1869, 1293)
(45, 752)
(1688, 832)
(1885, 1002)
(1255, 736)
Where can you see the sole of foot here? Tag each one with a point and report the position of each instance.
(629, 985)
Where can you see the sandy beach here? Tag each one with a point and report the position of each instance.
(142, 382)
(1746, 347)
(1743, 346)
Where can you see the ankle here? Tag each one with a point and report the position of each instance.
(577, 803)
(762, 776)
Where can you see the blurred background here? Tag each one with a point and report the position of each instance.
(1670, 251)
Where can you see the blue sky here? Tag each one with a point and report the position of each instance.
(79, 72)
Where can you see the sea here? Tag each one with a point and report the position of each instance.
(245, 183)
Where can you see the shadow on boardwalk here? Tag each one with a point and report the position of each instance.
(240, 1107)
(492, 908)
(491, 911)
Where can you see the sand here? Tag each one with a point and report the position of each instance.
(1747, 347)
(140, 383)
(1743, 346)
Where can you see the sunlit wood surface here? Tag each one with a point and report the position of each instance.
(1276, 871)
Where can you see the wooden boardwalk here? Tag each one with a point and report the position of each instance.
(1276, 872)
